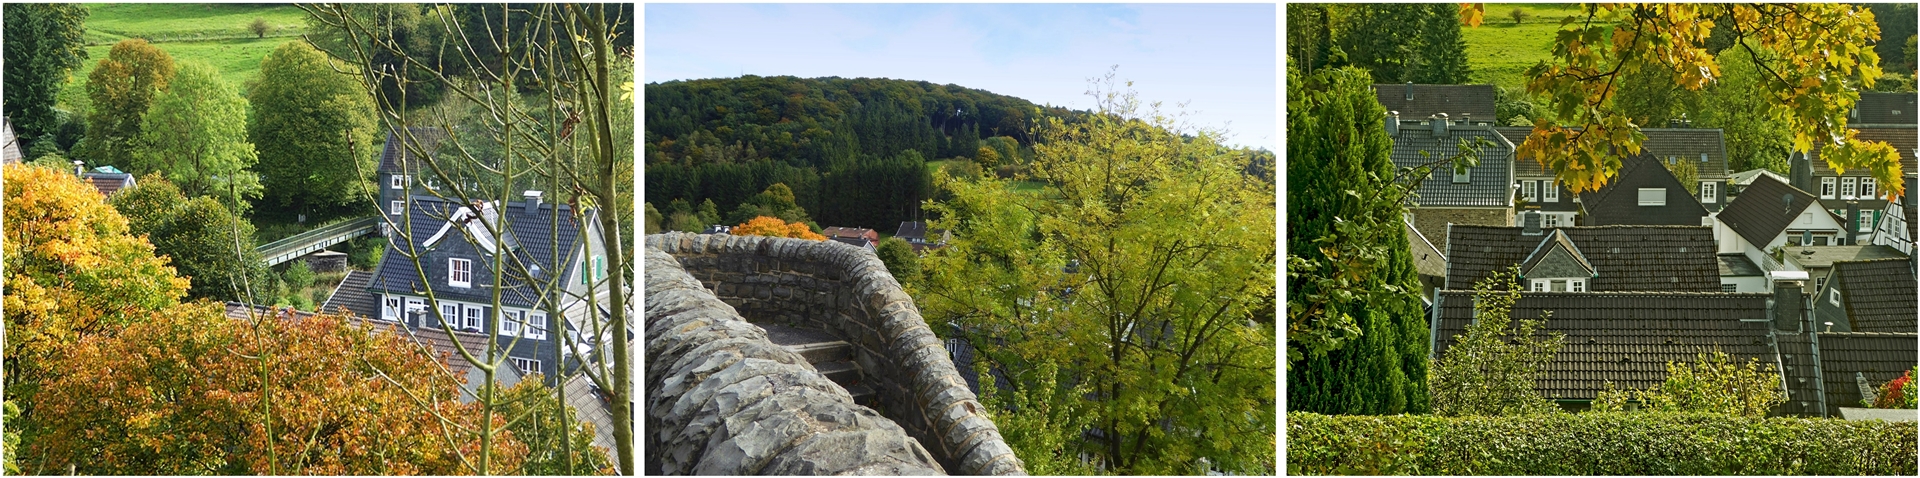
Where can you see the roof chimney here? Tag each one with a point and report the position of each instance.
(533, 199)
(1409, 91)
(1786, 304)
(1800, 174)
(1530, 223)
(1853, 222)
(1393, 123)
(1439, 121)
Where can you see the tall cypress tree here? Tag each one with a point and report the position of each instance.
(1338, 167)
(1443, 53)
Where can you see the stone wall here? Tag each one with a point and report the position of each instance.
(846, 291)
(722, 400)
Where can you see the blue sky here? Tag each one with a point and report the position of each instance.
(1218, 58)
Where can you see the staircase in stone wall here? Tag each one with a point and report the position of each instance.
(829, 355)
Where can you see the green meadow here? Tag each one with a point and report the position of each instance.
(213, 33)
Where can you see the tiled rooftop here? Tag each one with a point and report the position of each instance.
(1879, 295)
(1626, 258)
(1489, 184)
(1879, 356)
(1885, 108)
(1426, 100)
(1758, 214)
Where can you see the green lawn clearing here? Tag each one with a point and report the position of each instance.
(1500, 51)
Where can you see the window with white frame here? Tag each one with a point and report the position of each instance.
(450, 314)
(1826, 188)
(391, 310)
(526, 366)
(473, 317)
(536, 326)
(1709, 191)
(1653, 196)
(399, 182)
(510, 322)
(459, 272)
(1866, 188)
(1577, 285)
(1847, 187)
(1537, 285)
(1833, 295)
(1550, 190)
(396, 207)
(1529, 190)
(1866, 221)
(1461, 175)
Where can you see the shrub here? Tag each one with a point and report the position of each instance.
(1597, 444)
(1519, 15)
(1712, 384)
(1491, 369)
(259, 27)
(1896, 393)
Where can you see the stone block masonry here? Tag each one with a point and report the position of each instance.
(847, 292)
(722, 400)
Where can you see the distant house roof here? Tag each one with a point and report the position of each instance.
(717, 229)
(1744, 178)
(1623, 337)
(1884, 108)
(854, 241)
(108, 183)
(1427, 260)
(1619, 203)
(1878, 295)
(531, 231)
(1904, 139)
(1877, 356)
(1738, 265)
(1826, 256)
(398, 155)
(1488, 185)
(1416, 101)
(1661, 143)
(837, 232)
(10, 148)
(1759, 215)
(590, 406)
(1624, 258)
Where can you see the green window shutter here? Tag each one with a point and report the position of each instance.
(599, 267)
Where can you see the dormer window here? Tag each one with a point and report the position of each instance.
(1709, 192)
(1558, 285)
(1653, 196)
(510, 323)
(399, 181)
(459, 272)
(1826, 188)
(536, 326)
(1461, 175)
(1847, 187)
(1833, 295)
(392, 311)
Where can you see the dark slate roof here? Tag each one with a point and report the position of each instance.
(1490, 184)
(1738, 265)
(910, 230)
(1885, 108)
(351, 296)
(1556, 239)
(1757, 214)
(1880, 356)
(1427, 260)
(1454, 100)
(1624, 337)
(1826, 256)
(395, 157)
(10, 147)
(1661, 143)
(1626, 258)
(531, 229)
(1795, 360)
(1619, 201)
(1880, 295)
(1904, 139)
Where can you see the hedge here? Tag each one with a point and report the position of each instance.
(1597, 444)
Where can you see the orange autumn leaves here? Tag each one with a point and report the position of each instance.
(774, 227)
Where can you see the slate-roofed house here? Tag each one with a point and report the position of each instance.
(1817, 260)
(1868, 296)
(1421, 100)
(1769, 215)
(852, 236)
(458, 255)
(1857, 185)
(1876, 108)
(1480, 195)
(398, 175)
(108, 179)
(1705, 147)
(1615, 258)
(10, 147)
(1643, 193)
(917, 235)
(1623, 337)
(1542, 192)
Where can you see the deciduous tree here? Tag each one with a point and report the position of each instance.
(196, 133)
(1711, 384)
(121, 87)
(1491, 369)
(314, 129)
(536, 420)
(199, 236)
(45, 42)
(774, 227)
(900, 260)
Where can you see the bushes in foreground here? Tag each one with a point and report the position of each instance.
(1596, 444)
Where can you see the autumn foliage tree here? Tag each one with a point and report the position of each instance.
(344, 401)
(769, 226)
(121, 87)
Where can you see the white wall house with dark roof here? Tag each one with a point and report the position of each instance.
(1769, 216)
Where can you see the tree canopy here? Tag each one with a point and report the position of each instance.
(206, 242)
(196, 133)
(1395, 42)
(121, 88)
(45, 42)
(314, 129)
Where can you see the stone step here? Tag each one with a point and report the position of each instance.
(823, 352)
(815, 345)
(863, 395)
(842, 372)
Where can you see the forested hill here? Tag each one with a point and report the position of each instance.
(853, 151)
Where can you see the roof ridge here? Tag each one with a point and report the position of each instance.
(1627, 293)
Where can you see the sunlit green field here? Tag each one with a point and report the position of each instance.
(213, 33)
(1500, 51)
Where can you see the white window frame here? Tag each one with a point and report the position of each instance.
(472, 319)
(399, 181)
(1867, 189)
(1550, 190)
(1549, 220)
(1577, 285)
(509, 322)
(1529, 190)
(1833, 296)
(536, 328)
(1709, 192)
(396, 207)
(459, 272)
(526, 367)
(450, 313)
(1703, 157)
(390, 309)
(1537, 285)
(1462, 175)
(1848, 186)
(1866, 221)
(1827, 186)
(1653, 196)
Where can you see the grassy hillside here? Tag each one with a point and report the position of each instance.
(213, 33)
(1500, 51)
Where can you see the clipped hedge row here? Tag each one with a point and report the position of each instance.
(1597, 444)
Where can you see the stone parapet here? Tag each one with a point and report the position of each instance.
(846, 291)
(722, 400)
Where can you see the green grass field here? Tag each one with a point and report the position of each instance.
(1500, 51)
(213, 33)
